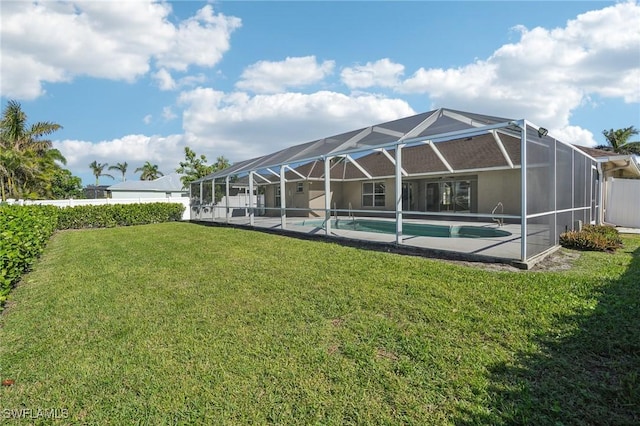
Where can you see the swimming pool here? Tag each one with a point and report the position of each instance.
(415, 229)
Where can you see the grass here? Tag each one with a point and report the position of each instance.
(182, 324)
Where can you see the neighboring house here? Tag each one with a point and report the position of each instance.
(168, 186)
(91, 191)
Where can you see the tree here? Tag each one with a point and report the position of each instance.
(65, 185)
(221, 163)
(149, 171)
(16, 169)
(195, 167)
(16, 135)
(618, 141)
(97, 169)
(27, 160)
(122, 168)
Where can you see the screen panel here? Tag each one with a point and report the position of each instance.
(564, 177)
(540, 173)
(541, 234)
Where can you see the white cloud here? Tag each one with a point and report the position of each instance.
(275, 77)
(164, 79)
(237, 125)
(192, 80)
(547, 73)
(54, 42)
(574, 134)
(166, 82)
(147, 119)
(382, 73)
(200, 40)
(240, 126)
(168, 114)
(134, 149)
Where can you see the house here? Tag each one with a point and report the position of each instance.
(168, 186)
(92, 191)
(441, 165)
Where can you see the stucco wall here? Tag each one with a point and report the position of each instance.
(499, 186)
(316, 197)
(492, 187)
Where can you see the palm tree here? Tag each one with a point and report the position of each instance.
(25, 158)
(122, 168)
(221, 163)
(16, 169)
(149, 171)
(15, 135)
(618, 141)
(97, 169)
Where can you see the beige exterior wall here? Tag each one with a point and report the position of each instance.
(312, 197)
(499, 186)
(316, 197)
(492, 187)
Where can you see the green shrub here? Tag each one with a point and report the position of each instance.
(111, 215)
(592, 237)
(24, 231)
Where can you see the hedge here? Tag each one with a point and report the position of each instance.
(592, 237)
(24, 230)
(111, 215)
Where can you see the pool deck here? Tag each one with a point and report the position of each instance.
(504, 249)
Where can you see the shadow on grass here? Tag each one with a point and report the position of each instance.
(590, 377)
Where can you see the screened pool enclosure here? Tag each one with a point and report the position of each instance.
(444, 180)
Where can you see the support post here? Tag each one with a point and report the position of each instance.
(251, 198)
(327, 195)
(283, 204)
(226, 200)
(214, 208)
(523, 191)
(398, 192)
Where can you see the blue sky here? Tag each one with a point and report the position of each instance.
(138, 81)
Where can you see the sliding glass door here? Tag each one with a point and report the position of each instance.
(449, 196)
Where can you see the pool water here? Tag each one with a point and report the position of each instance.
(415, 229)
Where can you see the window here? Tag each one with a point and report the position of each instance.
(277, 200)
(373, 194)
(300, 187)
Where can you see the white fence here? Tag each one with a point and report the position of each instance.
(102, 201)
(623, 202)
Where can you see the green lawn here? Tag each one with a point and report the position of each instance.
(182, 324)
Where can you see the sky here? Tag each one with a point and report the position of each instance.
(139, 81)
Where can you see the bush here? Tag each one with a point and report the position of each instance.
(110, 215)
(24, 231)
(592, 237)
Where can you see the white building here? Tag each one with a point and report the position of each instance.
(168, 186)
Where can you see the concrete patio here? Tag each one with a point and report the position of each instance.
(503, 249)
